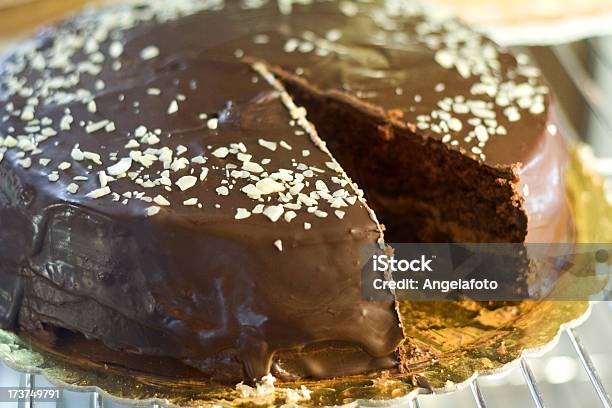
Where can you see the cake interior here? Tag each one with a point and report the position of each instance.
(420, 190)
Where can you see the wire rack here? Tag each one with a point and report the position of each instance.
(570, 372)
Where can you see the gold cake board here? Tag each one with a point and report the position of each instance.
(452, 344)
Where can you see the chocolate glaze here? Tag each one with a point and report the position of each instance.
(193, 283)
(197, 284)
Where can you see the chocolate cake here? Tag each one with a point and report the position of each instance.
(198, 181)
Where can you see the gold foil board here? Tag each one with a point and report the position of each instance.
(449, 344)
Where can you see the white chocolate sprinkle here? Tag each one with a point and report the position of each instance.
(77, 154)
(204, 174)
(103, 179)
(273, 212)
(72, 188)
(212, 123)
(101, 192)
(149, 52)
(26, 163)
(64, 166)
(115, 49)
(122, 167)
(290, 215)
(269, 186)
(222, 190)
(161, 201)
(151, 211)
(252, 167)
(279, 245)
(173, 107)
(242, 213)
(221, 152)
(186, 182)
(268, 145)
(94, 127)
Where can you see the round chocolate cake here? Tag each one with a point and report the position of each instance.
(198, 181)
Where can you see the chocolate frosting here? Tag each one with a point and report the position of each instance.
(221, 232)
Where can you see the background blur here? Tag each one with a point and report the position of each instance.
(571, 40)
